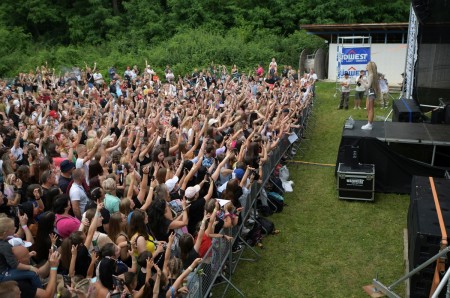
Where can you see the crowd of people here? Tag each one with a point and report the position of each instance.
(110, 187)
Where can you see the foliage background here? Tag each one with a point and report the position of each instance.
(184, 34)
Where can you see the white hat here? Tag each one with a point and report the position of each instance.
(19, 242)
(212, 121)
(16, 102)
(171, 183)
(191, 191)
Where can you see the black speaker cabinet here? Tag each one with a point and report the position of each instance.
(424, 234)
(406, 110)
(356, 183)
(351, 156)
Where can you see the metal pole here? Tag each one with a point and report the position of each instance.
(440, 254)
(434, 153)
(442, 284)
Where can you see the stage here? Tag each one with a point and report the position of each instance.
(399, 151)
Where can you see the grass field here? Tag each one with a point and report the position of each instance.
(327, 247)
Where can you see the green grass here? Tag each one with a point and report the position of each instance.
(327, 247)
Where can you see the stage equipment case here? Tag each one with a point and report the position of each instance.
(356, 183)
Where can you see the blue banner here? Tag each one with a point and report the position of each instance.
(355, 56)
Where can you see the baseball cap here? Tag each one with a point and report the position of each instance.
(191, 191)
(66, 165)
(239, 173)
(53, 114)
(19, 242)
(171, 183)
(346, 73)
(16, 102)
(212, 121)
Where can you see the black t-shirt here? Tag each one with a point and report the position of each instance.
(47, 205)
(137, 203)
(162, 233)
(26, 288)
(145, 161)
(63, 182)
(196, 212)
(90, 78)
(191, 256)
(104, 212)
(83, 261)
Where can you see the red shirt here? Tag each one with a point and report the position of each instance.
(260, 71)
(206, 244)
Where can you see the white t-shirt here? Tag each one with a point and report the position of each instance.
(383, 86)
(80, 165)
(17, 152)
(312, 77)
(77, 193)
(347, 82)
(98, 78)
(363, 82)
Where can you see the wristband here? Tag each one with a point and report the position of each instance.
(54, 268)
(24, 227)
(190, 268)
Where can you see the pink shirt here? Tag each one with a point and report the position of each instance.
(260, 71)
(66, 225)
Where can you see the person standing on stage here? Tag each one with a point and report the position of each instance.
(360, 89)
(372, 93)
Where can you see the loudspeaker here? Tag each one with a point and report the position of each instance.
(351, 156)
(406, 110)
(447, 114)
(424, 234)
(437, 116)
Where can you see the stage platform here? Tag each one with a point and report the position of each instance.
(399, 151)
(404, 132)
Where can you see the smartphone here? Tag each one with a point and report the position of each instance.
(20, 210)
(119, 283)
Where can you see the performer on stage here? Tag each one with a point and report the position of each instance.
(373, 91)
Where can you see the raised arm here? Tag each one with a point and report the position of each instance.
(179, 281)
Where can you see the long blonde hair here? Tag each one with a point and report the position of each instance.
(373, 77)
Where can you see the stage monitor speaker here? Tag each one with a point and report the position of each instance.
(351, 158)
(406, 110)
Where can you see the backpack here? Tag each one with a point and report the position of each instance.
(267, 226)
(276, 201)
(254, 236)
(265, 211)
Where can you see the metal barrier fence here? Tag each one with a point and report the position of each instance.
(220, 261)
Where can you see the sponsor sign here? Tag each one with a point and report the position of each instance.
(352, 60)
(350, 56)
